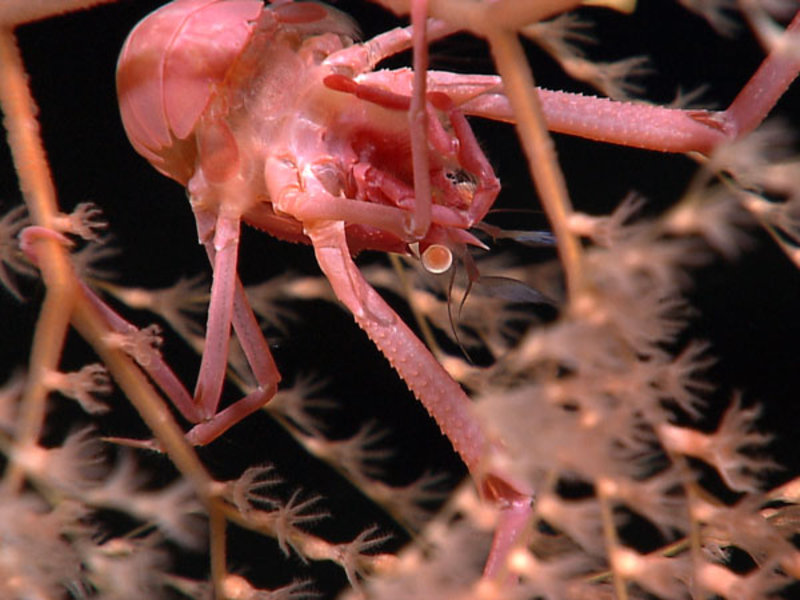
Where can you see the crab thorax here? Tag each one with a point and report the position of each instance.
(211, 116)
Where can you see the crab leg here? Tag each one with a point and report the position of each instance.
(633, 124)
(442, 397)
(361, 58)
(210, 425)
(637, 124)
(228, 305)
(154, 365)
(202, 408)
(224, 248)
(418, 121)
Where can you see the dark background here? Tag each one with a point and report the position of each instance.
(746, 308)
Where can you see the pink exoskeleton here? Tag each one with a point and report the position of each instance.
(272, 116)
(272, 127)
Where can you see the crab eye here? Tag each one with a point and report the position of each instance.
(437, 258)
(463, 183)
(458, 176)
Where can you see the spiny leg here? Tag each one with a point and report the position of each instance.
(441, 396)
(439, 393)
(636, 124)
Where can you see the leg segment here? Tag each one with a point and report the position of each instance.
(228, 305)
(224, 247)
(418, 123)
(211, 424)
(362, 58)
(439, 393)
(261, 362)
(641, 125)
(628, 124)
(443, 398)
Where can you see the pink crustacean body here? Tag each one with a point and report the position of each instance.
(272, 117)
(269, 124)
(264, 85)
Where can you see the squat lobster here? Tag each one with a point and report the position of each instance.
(266, 130)
(285, 125)
(216, 145)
